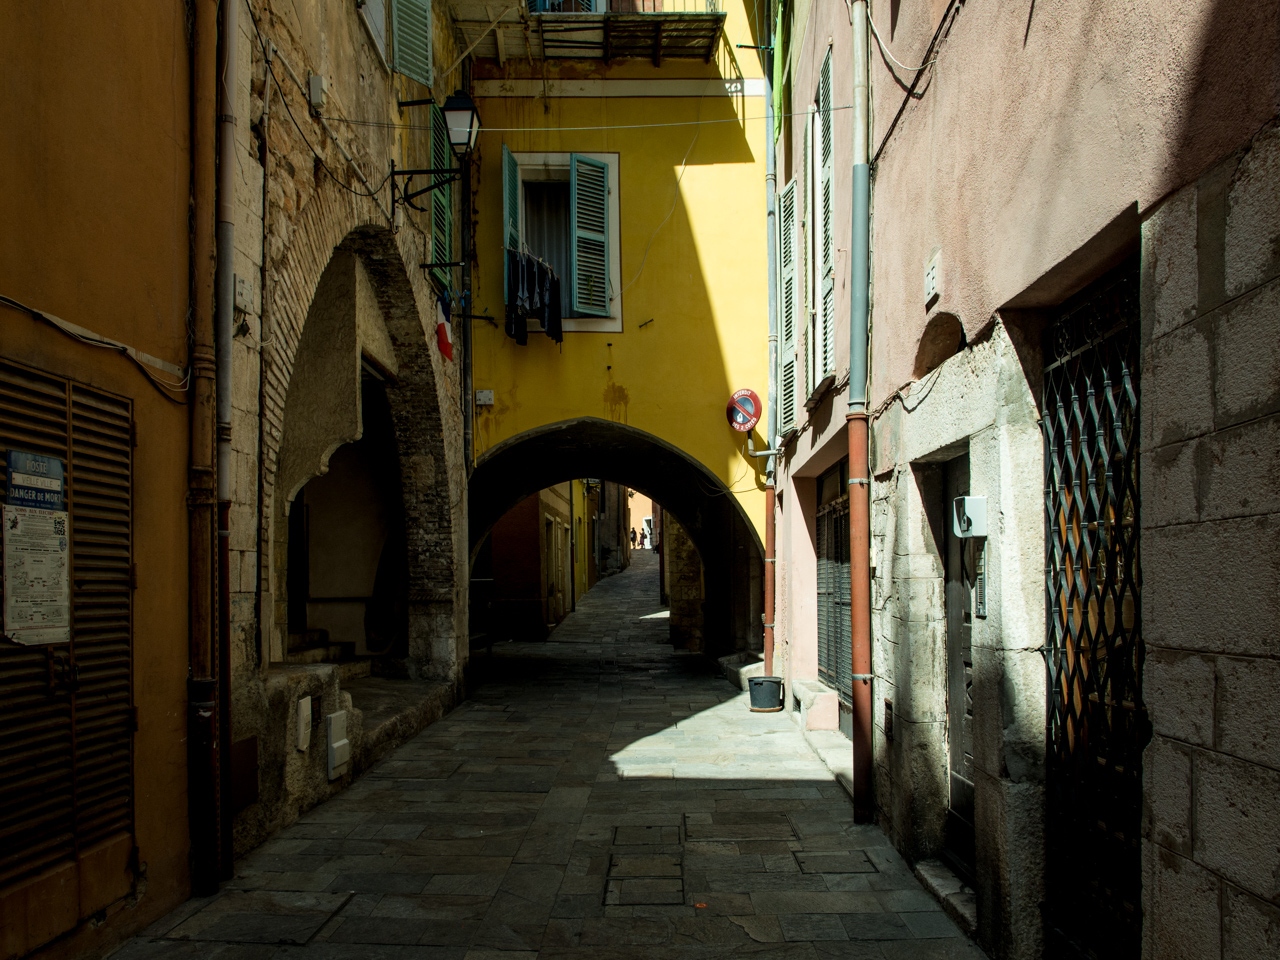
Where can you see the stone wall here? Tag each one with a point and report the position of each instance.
(1211, 561)
(684, 585)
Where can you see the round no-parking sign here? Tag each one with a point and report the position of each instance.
(743, 410)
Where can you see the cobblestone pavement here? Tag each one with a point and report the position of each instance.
(598, 796)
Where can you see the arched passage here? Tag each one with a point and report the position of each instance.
(731, 552)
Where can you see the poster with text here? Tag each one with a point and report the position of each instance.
(37, 575)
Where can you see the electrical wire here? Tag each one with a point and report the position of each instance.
(619, 126)
(889, 53)
(163, 386)
(262, 42)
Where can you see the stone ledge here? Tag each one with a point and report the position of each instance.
(958, 901)
(740, 667)
(819, 705)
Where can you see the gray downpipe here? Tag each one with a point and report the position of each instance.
(860, 247)
(771, 245)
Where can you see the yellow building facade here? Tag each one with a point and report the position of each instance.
(646, 371)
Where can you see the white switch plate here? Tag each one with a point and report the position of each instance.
(931, 271)
(484, 398)
(304, 723)
(339, 745)
(244, 294)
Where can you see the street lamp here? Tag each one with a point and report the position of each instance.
(463, 121)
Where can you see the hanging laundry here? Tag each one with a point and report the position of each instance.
(533, 292)
(516, 327)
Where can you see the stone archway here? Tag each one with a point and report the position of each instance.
(351, 301)
(731, 552)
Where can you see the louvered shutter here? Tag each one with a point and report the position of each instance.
(824, 349)
(441, 199)
(510, 211)
(788, 300)
(66, 715)
(809, 247)
(589, 221)
(411, 39)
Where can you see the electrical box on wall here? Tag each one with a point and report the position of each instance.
(484, 398)
(316, 90)
(339, 745)
(969, 517)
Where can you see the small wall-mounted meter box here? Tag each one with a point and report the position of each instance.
(484, 398)
(969, 517)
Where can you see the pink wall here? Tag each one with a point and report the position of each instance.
(1035, 132)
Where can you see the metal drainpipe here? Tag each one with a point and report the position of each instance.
(859, 428)
(468, 394)
(202, 757)
(223, 313)
(771, 462)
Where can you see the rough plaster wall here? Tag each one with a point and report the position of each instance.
(684, 578)
(979, 401)
(1211, 562)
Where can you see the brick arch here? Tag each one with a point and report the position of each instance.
(425, 415)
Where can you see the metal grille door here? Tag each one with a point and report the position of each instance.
(66, 710)
(1097, 724)
(835, 641)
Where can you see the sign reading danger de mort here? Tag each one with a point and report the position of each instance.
(744, 410)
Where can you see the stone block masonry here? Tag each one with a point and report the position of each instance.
(1211, 561)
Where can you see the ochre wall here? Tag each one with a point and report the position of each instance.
(703, 284)
(95, 165)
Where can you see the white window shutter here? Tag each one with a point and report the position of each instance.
(411, 39)
(510, 212)
(788, 300)
(826, 202)
(589, 225)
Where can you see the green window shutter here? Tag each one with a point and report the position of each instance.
(788, 234)
(411, 39)
(589, 246)
(825, 348)
(441, 199)
(510, 211)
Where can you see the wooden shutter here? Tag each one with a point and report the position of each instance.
(788, 305)
(374, 13)
(589, 223)
(510, 212)
(810, 248)
(441, 199)
(66, 710)
(411, 39)
(824, 348)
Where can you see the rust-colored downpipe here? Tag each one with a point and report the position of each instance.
(202, 743)
(859, 428)
(224, 310)
(770, 564)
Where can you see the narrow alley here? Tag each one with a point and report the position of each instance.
(597, 796)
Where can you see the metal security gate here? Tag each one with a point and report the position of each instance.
(1097, 724)
(835, 637)
(66, 710)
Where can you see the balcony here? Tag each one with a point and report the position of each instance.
(607, 30)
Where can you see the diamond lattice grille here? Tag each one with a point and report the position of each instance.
(1097, 724)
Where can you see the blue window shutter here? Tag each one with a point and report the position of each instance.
(510, 211)
(411, 39)
(788, 234)
(441, 199)
(589, 247)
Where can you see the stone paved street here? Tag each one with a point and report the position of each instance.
(598, 796)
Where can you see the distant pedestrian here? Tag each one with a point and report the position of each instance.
(642, 535)
(633, 538)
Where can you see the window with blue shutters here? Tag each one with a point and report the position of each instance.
(411, 39)
(510, 211)
(589, 221)
(824, 344)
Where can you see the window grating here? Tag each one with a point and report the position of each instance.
(835, 629)
(1097, 723)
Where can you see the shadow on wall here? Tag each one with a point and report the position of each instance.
(725, 540)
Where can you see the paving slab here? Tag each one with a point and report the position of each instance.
(599, 797)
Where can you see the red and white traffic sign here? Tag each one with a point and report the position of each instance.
(744, 410)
